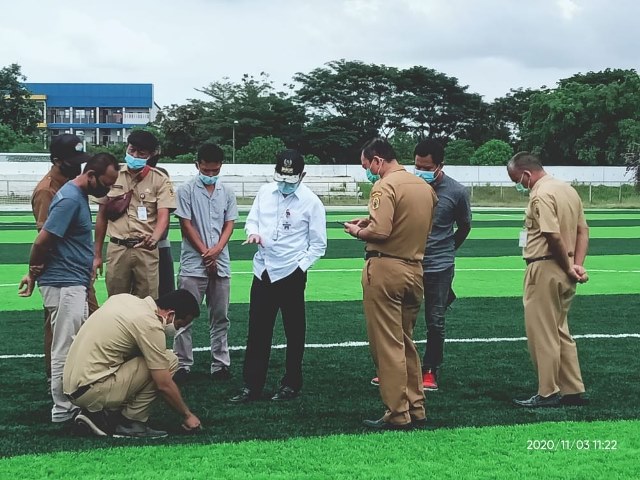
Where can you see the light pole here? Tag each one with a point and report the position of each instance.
(233, 140)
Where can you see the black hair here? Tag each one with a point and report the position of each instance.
(525, 161)
(378, 147)
(182, 301)
(100, 163)
(210, 153)
(431, 147)
(143, 140)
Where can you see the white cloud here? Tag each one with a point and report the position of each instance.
(491, 45)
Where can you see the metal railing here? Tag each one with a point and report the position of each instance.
(18, 192)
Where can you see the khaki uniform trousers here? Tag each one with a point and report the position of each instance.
(92, 301)
(132, 270)
(548, 293)
(130, 388)
(392, 295)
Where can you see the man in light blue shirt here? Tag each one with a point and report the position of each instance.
(288, 223)
(207, 210)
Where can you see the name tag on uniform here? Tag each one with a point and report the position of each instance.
(522, 241)
(142, 213)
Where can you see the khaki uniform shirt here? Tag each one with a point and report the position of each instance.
(124, 327)
(401, 206)
(43, 195)
(153, 192)
(554, 207)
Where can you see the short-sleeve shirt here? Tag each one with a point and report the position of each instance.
(153, 192)
(43, 194)
(554, 207)
(70, 261)
(124, 327)
(208, 214)
(453, 207)
(401, 206)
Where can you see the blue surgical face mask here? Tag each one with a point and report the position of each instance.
(371, 176)
(520, 187)
(134, 163)
(207, 180)
(287, 188)
(426, 175)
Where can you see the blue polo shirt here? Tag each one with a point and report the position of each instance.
(70, 261)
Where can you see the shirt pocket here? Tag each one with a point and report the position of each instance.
(292, 223)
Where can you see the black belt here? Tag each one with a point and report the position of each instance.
(126, 242)
(79, 392)
(375, 254)
(537, 259)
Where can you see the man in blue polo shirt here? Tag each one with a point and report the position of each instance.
(62, 262)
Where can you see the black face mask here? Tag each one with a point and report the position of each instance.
(70, 171)
(99, 190)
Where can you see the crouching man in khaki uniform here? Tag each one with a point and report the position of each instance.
(118, 363)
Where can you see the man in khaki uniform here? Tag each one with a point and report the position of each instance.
(400, 218)
(67, 156)
(118, 364)
(132, 254)
(554, 245)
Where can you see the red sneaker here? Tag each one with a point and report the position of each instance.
(375, 381)
(429, 381)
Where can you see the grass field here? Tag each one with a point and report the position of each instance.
(477, 433)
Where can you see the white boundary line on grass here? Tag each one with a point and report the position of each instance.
(347, 270)
(365, 344)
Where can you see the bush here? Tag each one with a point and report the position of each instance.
(28, 147)
(459, 152)
(260, 150)
(311, 159)
(493, 152)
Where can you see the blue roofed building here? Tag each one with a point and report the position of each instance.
(100, 113)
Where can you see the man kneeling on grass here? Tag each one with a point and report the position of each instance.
(118, 363)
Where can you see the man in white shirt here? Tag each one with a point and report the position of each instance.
(288, 223)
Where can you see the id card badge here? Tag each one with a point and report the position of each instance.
(142, 213)
(522, 242)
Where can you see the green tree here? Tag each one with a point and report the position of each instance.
(404, 144)
(459, 152)
(260, 150)
(583, 122)
(17, 111)
(8, 138)
(507, 114)
(493, 152)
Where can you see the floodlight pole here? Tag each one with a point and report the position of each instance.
(233, 157)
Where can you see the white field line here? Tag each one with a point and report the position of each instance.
(365, 344)
(333, 270)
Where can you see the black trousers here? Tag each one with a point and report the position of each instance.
(167, 281)
(286, 295)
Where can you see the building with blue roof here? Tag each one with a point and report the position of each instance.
(100, 113)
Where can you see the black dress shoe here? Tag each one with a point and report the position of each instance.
(181, 376)
(223, 374)
(574, 400)
(245, 395)
(380, 424)
(538, 401)
(285, 393)
(418, 422)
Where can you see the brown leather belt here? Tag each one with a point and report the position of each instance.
(375, 254)
(538, 259)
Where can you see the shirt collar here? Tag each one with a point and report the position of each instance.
(541, 180)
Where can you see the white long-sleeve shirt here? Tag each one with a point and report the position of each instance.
(293, 230)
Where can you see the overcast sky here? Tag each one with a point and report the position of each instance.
(489, 45)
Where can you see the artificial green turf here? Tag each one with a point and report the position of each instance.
(477, 383)
(496, 452)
